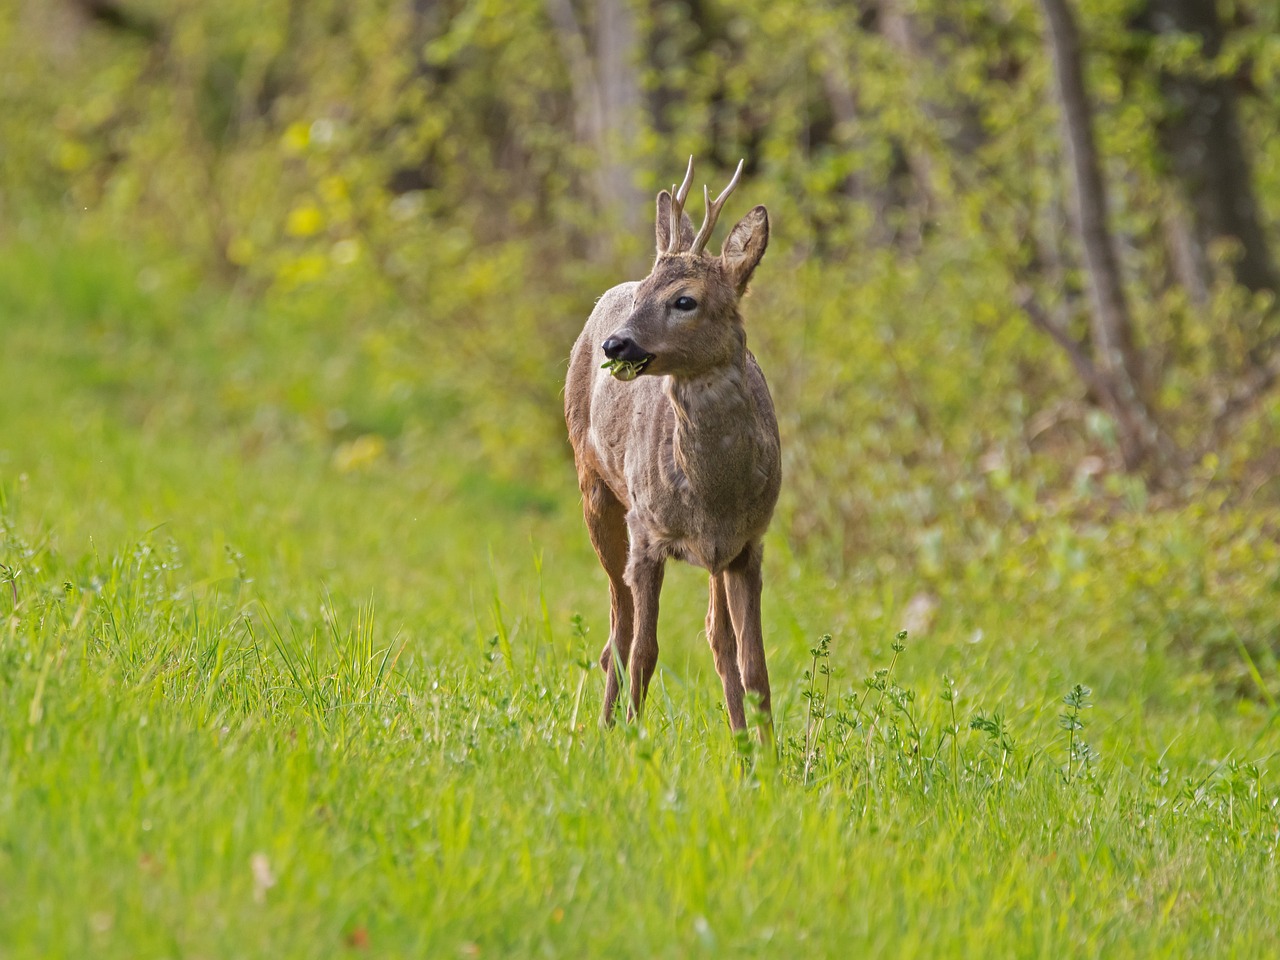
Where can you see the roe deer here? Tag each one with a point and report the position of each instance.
(676, 444)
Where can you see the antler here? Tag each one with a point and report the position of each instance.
(713, 209)
(677, 208)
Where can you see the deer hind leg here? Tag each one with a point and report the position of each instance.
(743, 583)
(644, 576)
(607, 525)
(724, 648)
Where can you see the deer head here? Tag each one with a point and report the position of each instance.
(684, 321)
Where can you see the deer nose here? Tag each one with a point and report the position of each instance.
(622, 348)
(614, 347)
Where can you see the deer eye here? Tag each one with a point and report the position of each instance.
(685, 303)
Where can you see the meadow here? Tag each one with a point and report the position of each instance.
(273, 686)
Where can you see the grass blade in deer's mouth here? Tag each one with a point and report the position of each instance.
(626, 369)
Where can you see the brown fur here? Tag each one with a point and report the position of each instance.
(682, 462)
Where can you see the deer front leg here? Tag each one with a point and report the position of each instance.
(724, 648)
(613, 658)
(644, 577)
(743, 583)
(607, 524)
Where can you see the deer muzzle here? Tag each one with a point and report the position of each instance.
(626, 358)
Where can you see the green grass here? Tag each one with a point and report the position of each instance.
(277, 685)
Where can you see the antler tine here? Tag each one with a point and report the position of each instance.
(688, 181)
(678, 198)
(713, 210)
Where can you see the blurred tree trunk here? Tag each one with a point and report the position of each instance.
(279, 75)
(1200, 133)
(605, 85)
(916, 43)
(617, 52)
(1117, 369)
(924, 42)
(906, 187)
(837, 76)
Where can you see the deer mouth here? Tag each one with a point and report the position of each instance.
(627, 370)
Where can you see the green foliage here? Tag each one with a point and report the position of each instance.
(321, 780)
(298, 623)
(401, 210)
(413, 179)
(197, 709)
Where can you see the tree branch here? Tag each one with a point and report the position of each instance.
(1072, 347)
(1253, 387)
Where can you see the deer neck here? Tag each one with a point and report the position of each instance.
(714, 444)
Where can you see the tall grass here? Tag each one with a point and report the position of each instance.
(261, 699)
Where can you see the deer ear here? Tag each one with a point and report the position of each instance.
(663, 225)
(745, 246)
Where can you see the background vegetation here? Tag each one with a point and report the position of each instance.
(295, 594)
